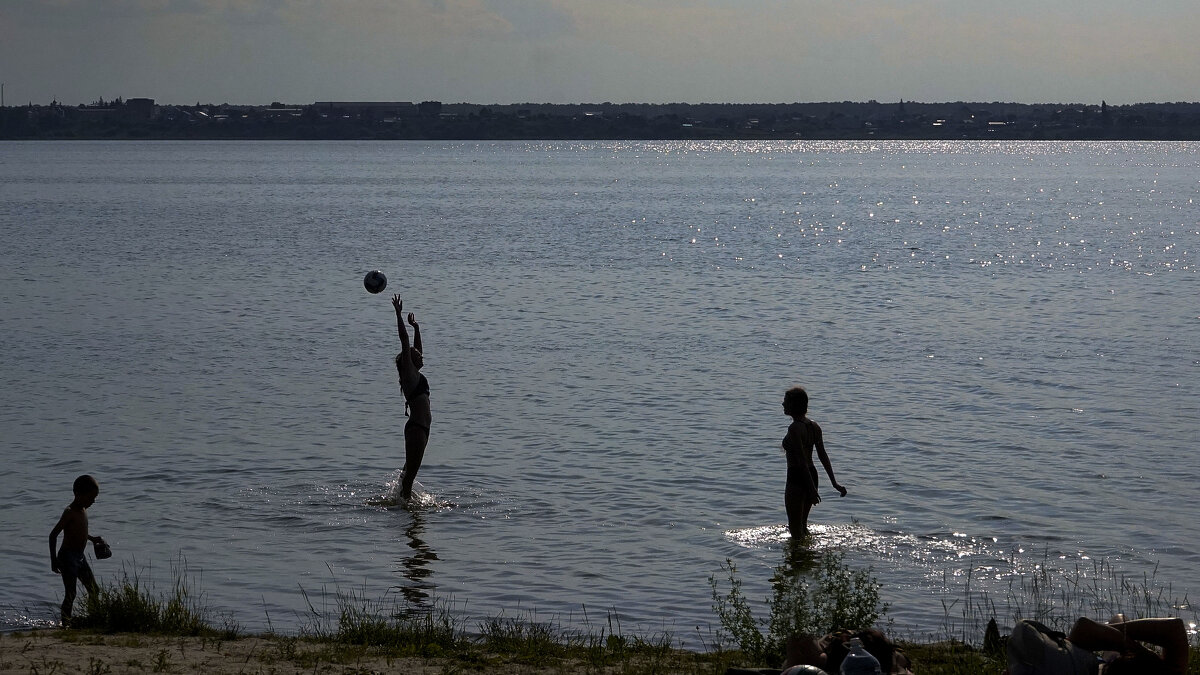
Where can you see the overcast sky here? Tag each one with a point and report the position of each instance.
(592, 51)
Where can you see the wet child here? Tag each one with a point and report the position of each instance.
(803, 435)
(69, 561)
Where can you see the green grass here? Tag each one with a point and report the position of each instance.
(816, 594)
(127, 606)
(398, 630)
(812, 594)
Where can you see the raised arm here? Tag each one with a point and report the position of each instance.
(399, 305)
(412, 320)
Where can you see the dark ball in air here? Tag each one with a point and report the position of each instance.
(374, 282)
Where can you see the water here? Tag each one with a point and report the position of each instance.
(1000, 341)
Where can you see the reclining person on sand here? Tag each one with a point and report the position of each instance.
(1034, 649)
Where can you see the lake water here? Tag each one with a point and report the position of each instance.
(1001, 342)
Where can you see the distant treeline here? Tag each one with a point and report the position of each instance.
(432, 120)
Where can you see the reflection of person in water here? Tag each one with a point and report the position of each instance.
(416, 399)
(416, 567)
(803, 435)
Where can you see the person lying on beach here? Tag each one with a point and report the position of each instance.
(803, 435)
(69, 561)
(828, 652)
(1035, 649)
(416, 399)
(1122, 642)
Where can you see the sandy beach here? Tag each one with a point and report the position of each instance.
(67, 652)
(62, 652)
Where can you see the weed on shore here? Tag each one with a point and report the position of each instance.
(813, 594)
(128, 606)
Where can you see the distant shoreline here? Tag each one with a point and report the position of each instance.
(144, 119)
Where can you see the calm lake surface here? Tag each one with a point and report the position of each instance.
(1001, 342)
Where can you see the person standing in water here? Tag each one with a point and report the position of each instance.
(803, 435)
(416, 399)
(69, 561)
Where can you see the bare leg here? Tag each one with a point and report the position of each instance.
(415, 440)
(806, 509)
(797, 511)
(88, 579)
(76, 574)
(68, 603)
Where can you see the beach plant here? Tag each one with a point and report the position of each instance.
(424, 631)
(162, 662)
(362, 630)
(525, 641)
(737, 618)
(129, 606)
(812, 593)
(1056, 595)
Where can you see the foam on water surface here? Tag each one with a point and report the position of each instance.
(421, 498)
(821, 536)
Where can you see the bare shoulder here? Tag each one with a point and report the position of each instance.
(65, 520)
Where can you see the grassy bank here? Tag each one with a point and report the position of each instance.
(129, 628)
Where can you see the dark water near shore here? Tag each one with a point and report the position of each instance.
(1001, 341)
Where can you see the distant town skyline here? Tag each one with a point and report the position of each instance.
(585, 51)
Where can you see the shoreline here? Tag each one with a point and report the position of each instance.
(61, 651)
(69, 651)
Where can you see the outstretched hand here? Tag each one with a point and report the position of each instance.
(397, 303)
(412, 320)
(840, 489)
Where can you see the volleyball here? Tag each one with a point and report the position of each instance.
(374, 282)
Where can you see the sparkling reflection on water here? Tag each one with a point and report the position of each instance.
(1000, 341)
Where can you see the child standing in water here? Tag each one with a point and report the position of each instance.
(69, 561)
(416, 398)
(803, 435)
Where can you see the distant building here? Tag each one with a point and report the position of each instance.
(370, 110)
(139, 108)
(430, 108)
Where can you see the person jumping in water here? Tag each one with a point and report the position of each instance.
(416, 399)
(803, 435)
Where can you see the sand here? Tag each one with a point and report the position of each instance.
(54, 652)
(59, 652)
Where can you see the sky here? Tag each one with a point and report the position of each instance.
(595, 51)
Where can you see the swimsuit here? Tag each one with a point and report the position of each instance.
(413, 423)
(798, 483)
(421, 389)
(412, 383)
(73, 563)
(414, 388)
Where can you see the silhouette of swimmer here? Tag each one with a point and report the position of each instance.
(803, 435)
(416, 399)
